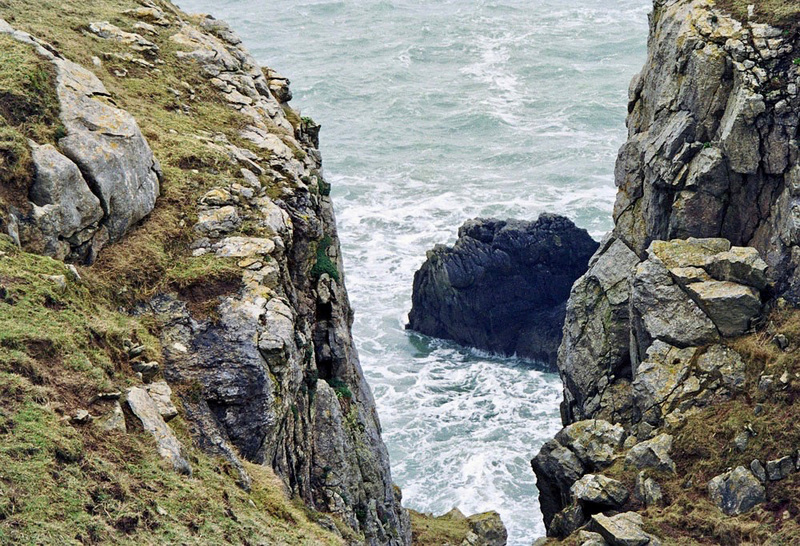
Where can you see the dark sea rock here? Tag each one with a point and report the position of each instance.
(503, 286)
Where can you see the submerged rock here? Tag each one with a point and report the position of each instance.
(503, 286)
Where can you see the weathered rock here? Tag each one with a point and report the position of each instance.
(661, 380)
(732, 307)
(567, 521)
(64, 206)
(503, 285)
(647, 490)
(652, 454)
(161, 394)
(136, 42)
(556, 469)
(737, 491)
(596, 492)
(595, 349)
(113, 158)
(758, 470)
(622, 530)
(489, 529)
(587, 538)
(780, 469)
(115, 420)
(595, 442)
(167, 444)
(742, 265)
(217, 221)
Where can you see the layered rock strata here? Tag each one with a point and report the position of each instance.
(503, 286)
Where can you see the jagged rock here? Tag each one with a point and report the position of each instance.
(489, 529)
(503, 285)
(737, 491)
(647, 490)
(652, 454)
(150, 14)
(64, 206)
(217, 221)
(780, 469)
(556, 469)
(595, 442)
(596, 336)
(758, 470)
(567, 521)
(81, 417)
(726, 362)
(661, 380)
(147, 412)
(107, 146)
(116, 420)
(663, 311)
(147, 369)
(742, 265)
(622, 530)
(596, 492)
(161, 394)
(732, 307)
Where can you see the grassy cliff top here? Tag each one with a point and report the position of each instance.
(782, 13)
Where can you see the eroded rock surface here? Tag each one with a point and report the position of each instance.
(503, 286)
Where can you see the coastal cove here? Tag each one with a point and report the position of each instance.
(433, 113)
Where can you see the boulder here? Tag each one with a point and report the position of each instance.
(624, 529)
(595, 442)
(503, 286)
(64, 208)
(647, 490)
(742, 265)
(567, 521)
(161, 394)
(595, 492)
(146, 410)
(779, 469)
(489, 529)
(737, 491)
(731, 307)
(588, 538)
(115, 420)
(653, 454)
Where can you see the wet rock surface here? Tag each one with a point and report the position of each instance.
(503, 286)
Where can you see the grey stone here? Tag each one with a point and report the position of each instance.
(161, 394)
(741, 440)
(596, 490)
(168, 446)
(652, 454)
(556, 469)
(758, 470)
(624, 529)
(489, 529)
(732, 307)
(725, 363)
(63, 204)
(588, 538)
(647, 490)
(115, 420)
(595, 442)
(567, 521)
(779, 469)
(737, 491)
(503, 285)
(741, 265)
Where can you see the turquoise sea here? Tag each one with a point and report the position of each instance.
(433, 112)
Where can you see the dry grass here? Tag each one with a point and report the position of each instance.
(782, 13)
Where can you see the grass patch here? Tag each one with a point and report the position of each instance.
(427, 530)
(324, 264)
(780, 13)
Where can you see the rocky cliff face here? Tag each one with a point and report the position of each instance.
(705, 234)
(242, 280)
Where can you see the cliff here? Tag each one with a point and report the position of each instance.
(677, 358)
(148, 150)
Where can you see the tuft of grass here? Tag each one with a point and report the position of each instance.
(340, 388)
(324, 264)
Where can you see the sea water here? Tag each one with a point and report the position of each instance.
(433, 112)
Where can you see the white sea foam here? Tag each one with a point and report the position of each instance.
(435, 111)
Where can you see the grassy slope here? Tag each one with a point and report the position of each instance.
(62, 483)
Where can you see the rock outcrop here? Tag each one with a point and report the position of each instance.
(705, 236)
(102, 179)
(503, 286)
